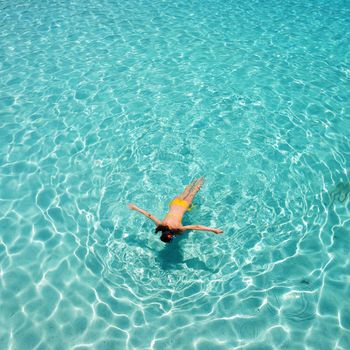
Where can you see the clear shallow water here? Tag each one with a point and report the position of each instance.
(103, 103)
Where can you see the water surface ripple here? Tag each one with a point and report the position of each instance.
(107, 102)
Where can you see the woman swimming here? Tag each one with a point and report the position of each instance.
(171, 225)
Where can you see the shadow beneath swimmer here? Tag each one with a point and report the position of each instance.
(171, 258)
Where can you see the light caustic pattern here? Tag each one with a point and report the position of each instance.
(108, 102)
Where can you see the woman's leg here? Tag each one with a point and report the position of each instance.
(191, 190)
(187, 190)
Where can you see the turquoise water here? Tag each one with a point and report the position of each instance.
(108, 102)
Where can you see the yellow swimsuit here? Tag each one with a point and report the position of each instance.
(180, 202)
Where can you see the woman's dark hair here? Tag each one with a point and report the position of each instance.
(167, 234)
(166, 237)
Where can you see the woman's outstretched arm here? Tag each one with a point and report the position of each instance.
(202, 228)
(144, 212)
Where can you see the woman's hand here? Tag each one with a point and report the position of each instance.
(132, 206)
(217, 231)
